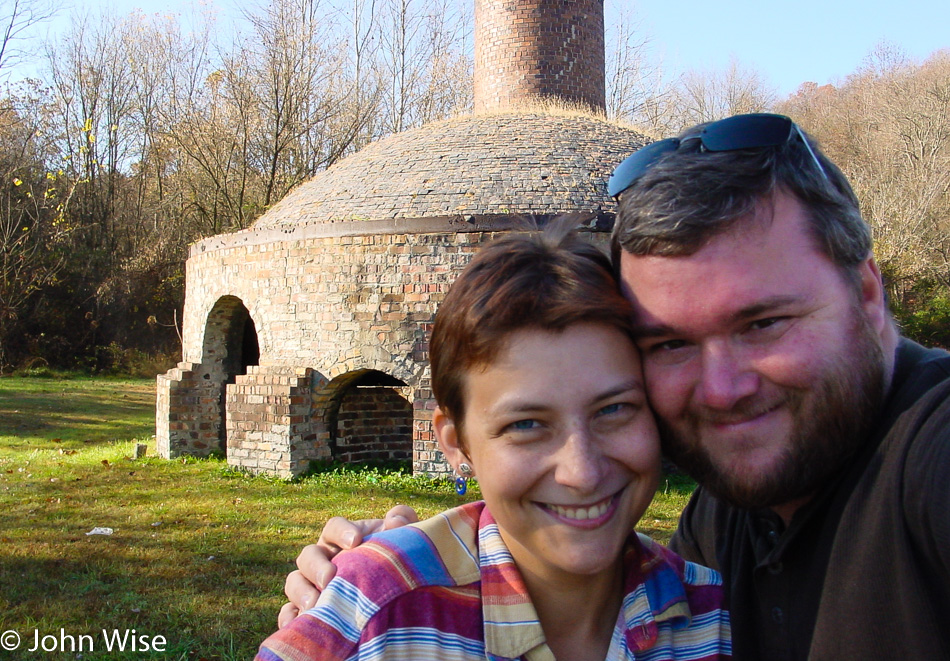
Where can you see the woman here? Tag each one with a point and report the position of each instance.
(539, 395)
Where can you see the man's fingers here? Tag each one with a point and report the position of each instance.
(288, 613)
(399, 516)
(339, 534)
(314, 568)
(301, 591)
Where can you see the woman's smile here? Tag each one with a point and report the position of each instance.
(584, 516)
(564, 446)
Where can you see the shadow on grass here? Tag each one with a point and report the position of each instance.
(73, 413)
(199, 552)
(110, 588)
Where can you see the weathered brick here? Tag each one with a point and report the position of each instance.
(342, 278)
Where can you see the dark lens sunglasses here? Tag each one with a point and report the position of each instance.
(753, 131)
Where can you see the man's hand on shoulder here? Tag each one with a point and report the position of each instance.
(314, 569)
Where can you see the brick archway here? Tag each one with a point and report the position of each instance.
(230, 346)
(368, 416)
(191, 403)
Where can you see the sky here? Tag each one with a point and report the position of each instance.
(787, 43)
(790, 43)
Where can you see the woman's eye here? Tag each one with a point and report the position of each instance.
(611, 408)
(523, 425)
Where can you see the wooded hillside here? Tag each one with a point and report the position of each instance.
(141, 134)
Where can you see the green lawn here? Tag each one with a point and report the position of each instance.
(198, 551)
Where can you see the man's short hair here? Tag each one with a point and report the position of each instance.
(691, 196)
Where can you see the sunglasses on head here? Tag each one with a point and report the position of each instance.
(752, 131)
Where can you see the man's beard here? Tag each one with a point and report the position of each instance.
(829, 423)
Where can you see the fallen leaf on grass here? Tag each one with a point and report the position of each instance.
(105, 462)
(100, 531)
(63, 451)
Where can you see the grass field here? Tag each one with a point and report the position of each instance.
(198, 551)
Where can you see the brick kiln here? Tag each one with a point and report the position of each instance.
(305, 337)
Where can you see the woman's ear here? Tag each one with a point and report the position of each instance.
(448, 436)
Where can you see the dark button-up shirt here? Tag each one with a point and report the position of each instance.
(863, 570)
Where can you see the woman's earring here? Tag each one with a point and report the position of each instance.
(461, 481)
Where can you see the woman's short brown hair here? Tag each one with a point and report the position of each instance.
(548, 281)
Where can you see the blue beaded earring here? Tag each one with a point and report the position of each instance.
(461, 481)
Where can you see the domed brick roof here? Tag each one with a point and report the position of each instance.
(522, 163)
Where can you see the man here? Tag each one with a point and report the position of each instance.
(820, 439)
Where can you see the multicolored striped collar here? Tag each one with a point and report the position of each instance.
(470, 547)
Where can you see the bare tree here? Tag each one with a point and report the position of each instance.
(446, 88)
(637, 89)
(155, 136)
(425, 61)
(707, 95)
(285, 73)
(888, 126)
(17, 19)
(33, 226)
(92, 83)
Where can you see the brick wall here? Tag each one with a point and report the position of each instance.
(343, 277)
(269, 423)
(531, 49)
(336, 306)
(373, 423)
(327, 311)
(187, 412)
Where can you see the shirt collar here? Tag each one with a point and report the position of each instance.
(654, 593)
(512, 629)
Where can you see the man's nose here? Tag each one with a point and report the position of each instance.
(727, 376)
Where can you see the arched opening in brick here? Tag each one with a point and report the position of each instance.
(369, 418)
(230, 347)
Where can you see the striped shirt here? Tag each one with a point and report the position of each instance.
(447, 589)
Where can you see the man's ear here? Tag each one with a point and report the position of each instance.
(872, 294)
(448, 436)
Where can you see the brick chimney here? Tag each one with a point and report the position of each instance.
(528, 50)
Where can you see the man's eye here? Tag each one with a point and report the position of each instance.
(669, 345)
(523, 425)
(762, 324)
